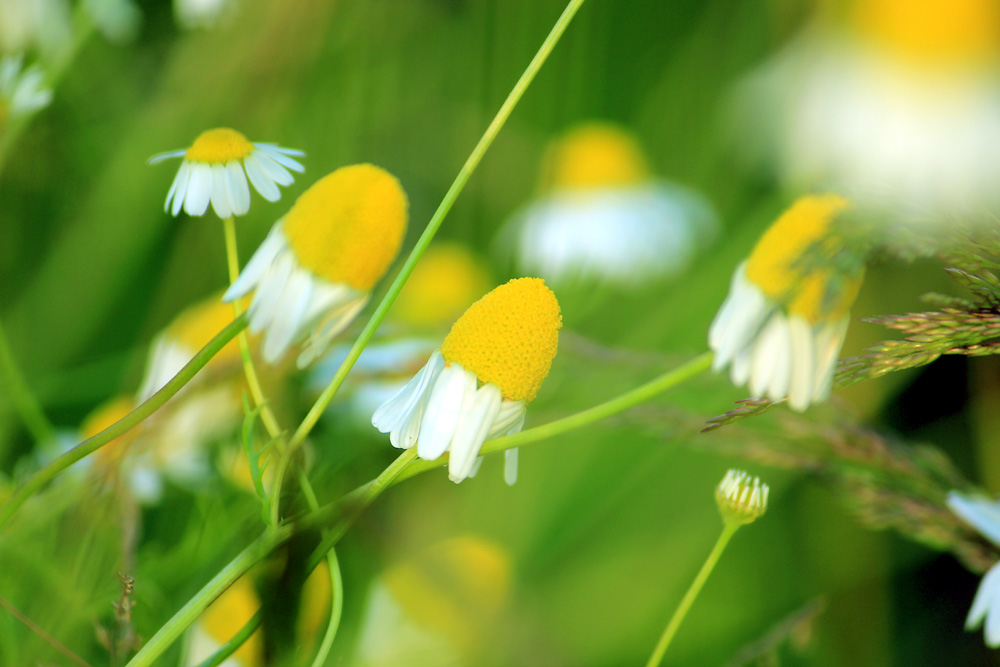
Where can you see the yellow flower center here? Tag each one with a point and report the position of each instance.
(229, 613)
(219, 146)
(932, 31)
(508, 337)
(595, 155)
(775, 264)
(101, 418)
(349, 225)
(315, 605)
(198, 324)
(455, 587)
(447, 279)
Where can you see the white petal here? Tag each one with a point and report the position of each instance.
(266, 302)
(511, 416)
(741, 322)
(219, 196)
(474, 423)
(990, 591)
(335, 322)
(199, 189)
(237, 188)
(765, 352)
(160, 157)
(510, 466)
(803, 363)
(984, 600)
(828, 343)
(183, 178)
(280, 155)
(261, 181)
(452, 391)
(395, 412)
(274, 171)
(980, 513)
(287, 326)
(259, 265)
(180, 177)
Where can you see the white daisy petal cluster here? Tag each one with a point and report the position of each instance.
(477, 386)
(603, 217)
(22, 91)
(983, 515)
(313, 273)
(781, 326)
(216, 168)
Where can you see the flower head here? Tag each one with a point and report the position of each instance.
(983, 515)
(741, 499)
(603, 217)
(216, 167)
(477, 385)
(784, 320)
(447, 280)
(317, 266)
(22, 90)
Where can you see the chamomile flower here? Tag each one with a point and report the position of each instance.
(896, 105)
(216, 168)
(176, 345)
(317, 266)
(477, 386)
(603, 216)
(784, 320)
(22, 90)
(983, 515)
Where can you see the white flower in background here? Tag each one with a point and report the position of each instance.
(477, 386)
(604, 218)
(316, 268)
(118, 20)
(26, 25)
(983, 515)
(216, 168)
(22, 90)
(898, 107)
(783, 323)
(203, 14)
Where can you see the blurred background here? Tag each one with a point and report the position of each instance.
(705, 110)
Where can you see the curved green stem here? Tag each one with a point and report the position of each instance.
(27, 406)
(627, 400)
(336, 608)
(435, 222)
(234, 643)
(126, 423)
(179, 622)
(728, 530)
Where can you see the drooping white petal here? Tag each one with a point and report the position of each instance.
(265, 255)
(199, 189)
(237, 188)
(510, 417)
(332, 324)
(474, 423)
(160, 157)
(267, 300)
(274, 171)
(261, 181)
(750, 309)
(219, 197)
(182, 180)
(287, 326)
(395, 412)
(829, 340)
(450, 395)
(803, 363)
(981, 513)
(280, 155)
(989, 589)
(510, 466)
(985, 600)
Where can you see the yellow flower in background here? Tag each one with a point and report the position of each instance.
(176, 345)
(434, 608)
(104, 415)
(897, 106)
(448, 278)
(603, 216)
(783, 323)
(477, 386)
(316, 268)
(216, 168)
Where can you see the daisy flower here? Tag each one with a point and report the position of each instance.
(176, 345)
(783, 322)
(604, 217)
(216, 168)
(983, 515)
(22, 91)
(477, 386)
(317, 266)
(897, 105)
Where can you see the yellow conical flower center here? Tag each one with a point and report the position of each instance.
(101, 418)
(508, 337)
(219, 146)
(445, 282)
(229, 613)
(349, 225)
(198, 324)
(595, 155)
(454, 587)
(775, 264)
(932, 31)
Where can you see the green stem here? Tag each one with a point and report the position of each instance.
(126, 423)
(627, 400)
(27, 406)
(728, 530)
(234, 643)
(432, 227)
(179, 622)
(336, 608)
